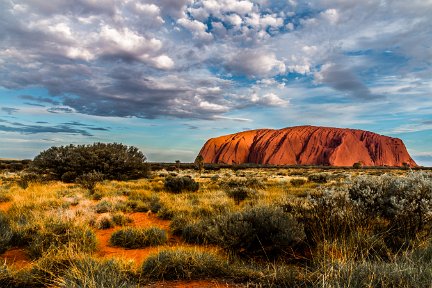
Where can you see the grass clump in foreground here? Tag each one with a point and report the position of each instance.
(184, 263)
(134, 238)
(57, 234)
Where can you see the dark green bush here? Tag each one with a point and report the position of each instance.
(89, 180)
(113, 160)
(133, 238)
(184, 264)
(105, 223)
(180, 184)
(318, 178)
(297, 182)
(258, 230)
(6, 233)
(240, 194)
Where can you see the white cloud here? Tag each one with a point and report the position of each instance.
(197, 28)
(256, 63)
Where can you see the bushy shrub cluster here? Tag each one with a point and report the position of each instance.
(262, 230)
(240, 194)
(113, 160)
(180, 184)
(133, 238)
(405, 202)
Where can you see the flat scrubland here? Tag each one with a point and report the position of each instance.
(246, 228)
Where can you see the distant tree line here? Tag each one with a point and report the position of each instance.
(114, 161)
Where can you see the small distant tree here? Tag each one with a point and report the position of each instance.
(199, 163)
(178, 164)
(358, 165)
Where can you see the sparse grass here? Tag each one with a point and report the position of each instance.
(184, 263)
(339, 248)
(134, 238)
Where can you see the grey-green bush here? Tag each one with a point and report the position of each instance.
(258, 230)
(180, 184)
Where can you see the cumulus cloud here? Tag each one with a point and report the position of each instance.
(192, 59)
(255, 63)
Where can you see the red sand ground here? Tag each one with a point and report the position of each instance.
(4, 206)
(142, 220)
(18, 258)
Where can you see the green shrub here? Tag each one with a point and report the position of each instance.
(240, 194)
(405, 202)
(105, 223)
(103, 207)
(180, 184)
(297, 182)
(89, 180)
(133, 238)
(184, 264)
(6, 232)
(318, 178)
(120, 219)
(257, 230)
(114, 160)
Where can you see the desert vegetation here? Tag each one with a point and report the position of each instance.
(248, 227)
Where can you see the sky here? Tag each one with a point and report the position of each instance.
(167, 75)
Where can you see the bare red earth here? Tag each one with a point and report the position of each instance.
(307, 145)
(142, 220)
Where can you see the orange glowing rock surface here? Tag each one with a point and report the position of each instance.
(307, 145)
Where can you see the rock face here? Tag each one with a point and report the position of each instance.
(307, 145)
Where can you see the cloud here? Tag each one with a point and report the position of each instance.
(9, 110)
(344, 80)
(255, 63)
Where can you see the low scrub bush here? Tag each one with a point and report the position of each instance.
(405, 202)
(240, 194)
(180, 184)
(258, 230)
(105, 222)
(318, 178)
(103, 207)
(297, 182)
(183, 263)
(134, 238)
